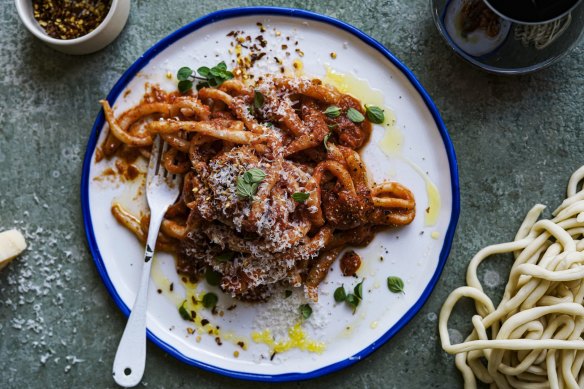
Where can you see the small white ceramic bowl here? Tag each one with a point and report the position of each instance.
(96, 40)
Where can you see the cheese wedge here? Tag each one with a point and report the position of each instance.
(12, 243)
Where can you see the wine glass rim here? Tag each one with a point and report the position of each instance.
(488, 3)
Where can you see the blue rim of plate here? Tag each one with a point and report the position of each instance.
(297, 13)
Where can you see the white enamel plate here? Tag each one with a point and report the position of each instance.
(416, 151)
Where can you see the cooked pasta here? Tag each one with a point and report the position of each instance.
(533, 338)
(273, 188)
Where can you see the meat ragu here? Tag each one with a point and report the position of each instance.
(274, 188)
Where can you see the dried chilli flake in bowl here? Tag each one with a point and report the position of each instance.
(70, 19)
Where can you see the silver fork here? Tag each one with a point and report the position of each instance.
(162, 190)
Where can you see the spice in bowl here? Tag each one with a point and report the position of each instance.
(70, 19)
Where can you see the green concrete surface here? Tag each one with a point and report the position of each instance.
(517, 141)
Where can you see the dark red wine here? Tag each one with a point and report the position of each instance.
(532, 11)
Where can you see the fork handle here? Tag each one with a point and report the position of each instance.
(130, 359)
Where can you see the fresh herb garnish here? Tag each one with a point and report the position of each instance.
(216, 75)
(225, 256)
(333, 111)
(210, 300)
(245, 189)
(254, 175)
(185, 85)
(258, 99)
(208, 77)
(395, 284)
(248, 182)
(183, 311)
(185, 77)
(184, 73)
(300, 196)
(325, 140)
(340, 294)
(204, 71)
(287, 293)
(353, 301)
(355, 116)
(359, 290)
(212, 277)
(374, 114)
(305, 311)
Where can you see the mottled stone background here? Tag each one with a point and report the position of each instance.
(517, 141)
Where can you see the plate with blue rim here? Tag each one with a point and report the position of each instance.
(413, 147)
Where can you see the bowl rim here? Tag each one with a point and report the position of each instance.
(30, 23)
(437, 17)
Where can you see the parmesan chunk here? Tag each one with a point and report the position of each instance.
(12, 243)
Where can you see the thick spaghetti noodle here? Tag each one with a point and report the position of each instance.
(273, 187)
(533, 339)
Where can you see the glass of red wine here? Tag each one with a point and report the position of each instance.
(510, 36)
